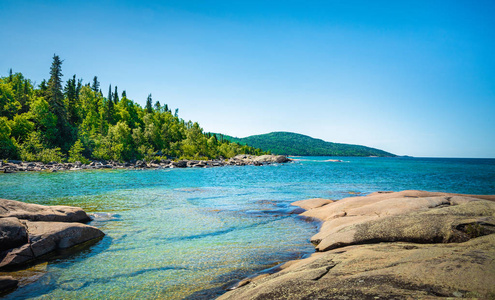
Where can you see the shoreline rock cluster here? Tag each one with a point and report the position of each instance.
(29, 232)
(239, 160)
(390, 245)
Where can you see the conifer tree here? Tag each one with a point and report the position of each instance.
(71, 95)
(124, 94)
(24, 98)
(55, 82)
(109, 110)
(158, 106)
(96, 85)
(78, 87)
(10, 75)
(149, 104)
(56, 102)
(116, 96)
(110, 97)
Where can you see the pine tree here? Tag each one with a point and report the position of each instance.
(109, 111)
(116, 96)
(25, 96)
(158, 106)
(78, 87)
(96, 85)
(124, 94)
(10, 75)
(55, 95)
(56, 102)
(110, 97)
(71, 94)
(149, 104)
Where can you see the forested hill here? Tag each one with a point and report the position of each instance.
(73, 121)
(288, 143)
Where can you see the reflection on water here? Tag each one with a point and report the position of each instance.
(189, 233)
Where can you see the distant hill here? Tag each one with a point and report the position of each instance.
(289, 143)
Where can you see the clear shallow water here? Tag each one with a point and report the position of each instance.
(188, 233)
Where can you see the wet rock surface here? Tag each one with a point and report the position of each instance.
(404, 245)
(239, 160)
(28, 232)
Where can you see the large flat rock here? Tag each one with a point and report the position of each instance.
(384, 271)
(46, 237)
(36, 212)
(409, 244)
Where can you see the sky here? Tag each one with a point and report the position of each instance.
(408, 77)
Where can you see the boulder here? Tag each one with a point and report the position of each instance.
(180, 164)
(45, 237)
(140, 164)
(280, 159)
(29, 231)
(36, 212)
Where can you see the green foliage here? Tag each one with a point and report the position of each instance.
(21, 126)
(45, 120)
(49, 123)
(50, 155)
(75, 153)
(34, 150)
(7, 144)
(288, 143)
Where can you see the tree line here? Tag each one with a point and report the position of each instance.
(72, 121)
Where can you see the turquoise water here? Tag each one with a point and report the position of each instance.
(189, 233)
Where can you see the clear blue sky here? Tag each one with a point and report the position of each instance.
(410, 77)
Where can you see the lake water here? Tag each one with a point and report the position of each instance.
(190, 233)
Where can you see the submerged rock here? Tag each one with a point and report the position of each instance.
(410, 244)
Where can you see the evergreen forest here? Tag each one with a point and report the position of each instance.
(72, 121)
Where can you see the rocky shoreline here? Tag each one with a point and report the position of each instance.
(30, 232)
(390, 245)
(239, 160)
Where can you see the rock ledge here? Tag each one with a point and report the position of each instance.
(30, 231)
(402, 245)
